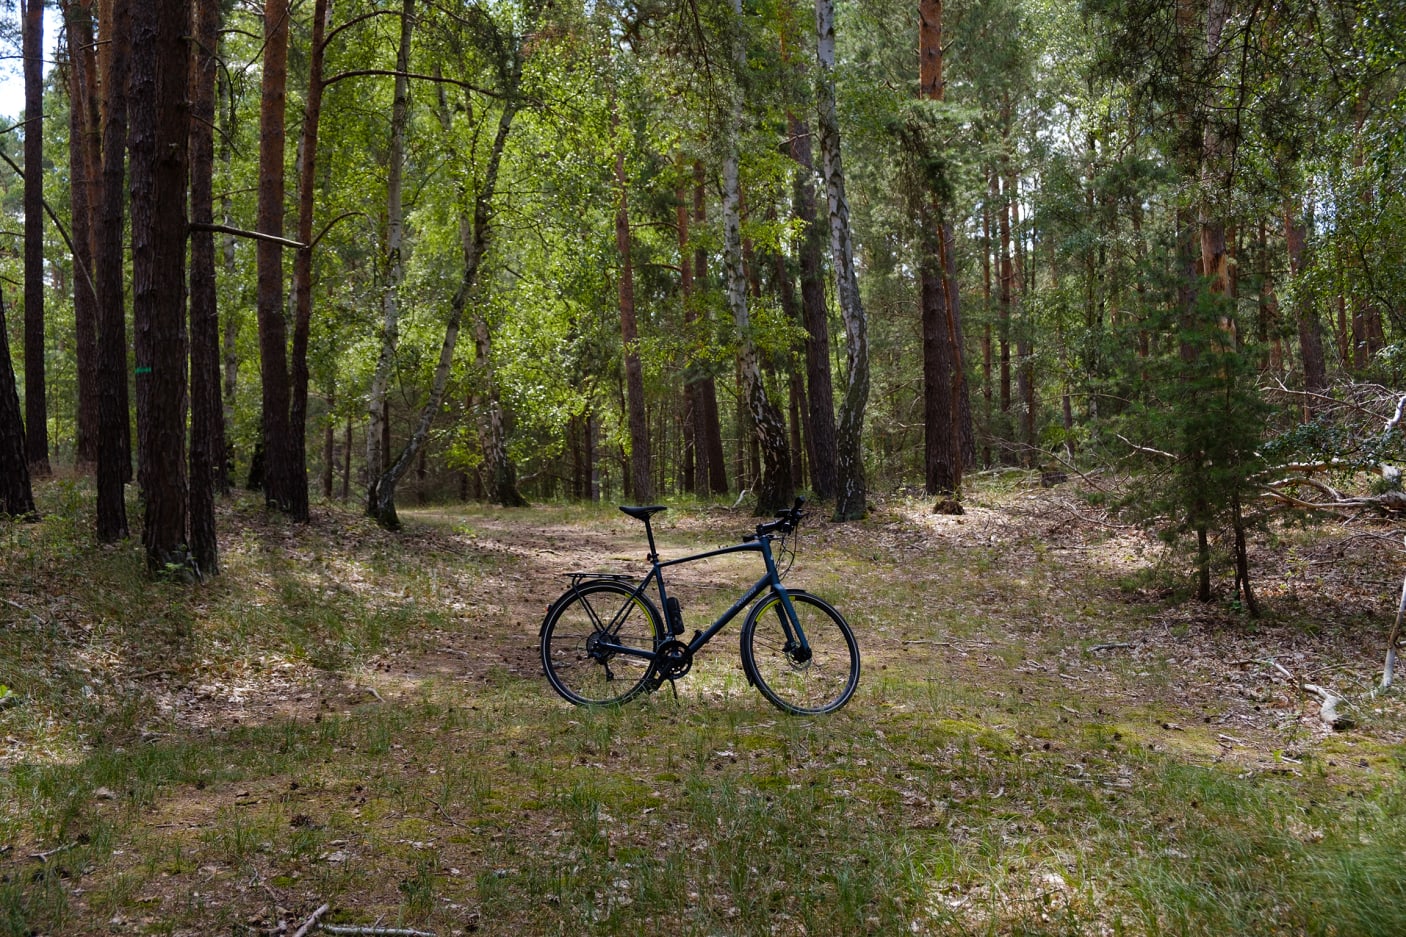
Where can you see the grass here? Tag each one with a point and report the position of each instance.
(354, 718)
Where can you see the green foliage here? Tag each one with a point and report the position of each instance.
(1200, 428)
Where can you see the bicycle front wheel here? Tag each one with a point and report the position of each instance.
(795, 681)
(582, 639)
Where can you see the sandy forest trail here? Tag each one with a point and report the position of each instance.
(1032, 594)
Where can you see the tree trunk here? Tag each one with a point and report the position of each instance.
(851, 500)
(492, 427)
(158, 142)
(82, 153)
(329, 453)
(206, 417)
(35, 394)
(475, 233)
(942, 352)
(1315, 369)
(377, 401)
(347, 461)
(774, 491)
(708, 429)
(114, 427)
(280, 474)
(229, 335)
(302, 263)
(1005, 292)
(692, 479)
(820, 412)
(986, 371)
(1025, 371)
(641, 471)
(16, 494)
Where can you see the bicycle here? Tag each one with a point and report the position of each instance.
(604, 640)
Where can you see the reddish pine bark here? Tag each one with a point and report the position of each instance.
(279, 474)
(159, 174)
(302, 265)
(83, 164)
(16, 494)
(35, 393)
(206, 418)
(114, 428)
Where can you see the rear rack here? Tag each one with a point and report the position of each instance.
(579, 577)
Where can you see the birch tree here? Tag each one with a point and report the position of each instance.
(851, 499)
(776, 489)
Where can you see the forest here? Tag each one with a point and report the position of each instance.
(334, 331)
(707, 248)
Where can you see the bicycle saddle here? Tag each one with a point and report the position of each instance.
(643, 513)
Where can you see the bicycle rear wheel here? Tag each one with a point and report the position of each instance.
(577, 638)
(794, 682)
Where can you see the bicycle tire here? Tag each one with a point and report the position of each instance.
(581, 672)
(821, 684)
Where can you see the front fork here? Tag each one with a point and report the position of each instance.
(797, 647)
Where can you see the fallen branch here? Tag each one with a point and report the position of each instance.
(311, 922)
(1329, 712)
(1110, 647)
(1395, 421)
(1147, 450)
(50, 853)
(39, 619)
(375, 931)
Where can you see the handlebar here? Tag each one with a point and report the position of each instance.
(786, 521)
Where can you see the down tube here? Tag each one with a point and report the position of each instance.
(703, 637)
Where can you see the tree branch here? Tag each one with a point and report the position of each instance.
(240, 232)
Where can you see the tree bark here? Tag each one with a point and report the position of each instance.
(206, 417)
(942, 353)
(708, 428)
(83, 163)
(280, 474)
(1025, 370)
(229, 335)
(987, 245)
(114, 426)
(774, 491)
(376, 406)
(691, 480)
(820, 396)
(16, 493)
(35, 393)
(851, 500)
(302, 261)
(158, 142)
(1315, 369)
(641, 481)
(1005, 296)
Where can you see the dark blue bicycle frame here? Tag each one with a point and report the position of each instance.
(762, 544)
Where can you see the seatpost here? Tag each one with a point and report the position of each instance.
(653, 556)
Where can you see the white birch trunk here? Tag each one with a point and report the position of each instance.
(851, 498)
(775, 491)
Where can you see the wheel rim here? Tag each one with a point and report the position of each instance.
(821, 683)
(577, 665)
